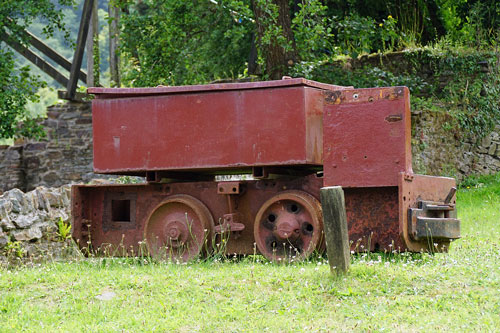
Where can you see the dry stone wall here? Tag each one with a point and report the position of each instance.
(28, 217)
(439, 152)
(30, 229)
(11, 166)
(436, 150)
(64, 156)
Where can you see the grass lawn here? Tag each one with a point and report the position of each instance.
(408, 292)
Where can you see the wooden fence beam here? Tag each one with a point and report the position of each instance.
(92, 48)
(53, 55)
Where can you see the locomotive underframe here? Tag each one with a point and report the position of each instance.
(113, 218)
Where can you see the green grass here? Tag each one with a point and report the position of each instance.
(458, 291)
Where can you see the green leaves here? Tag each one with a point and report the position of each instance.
(63, 229)
(312, 31)
(182, 42)
(17, 85)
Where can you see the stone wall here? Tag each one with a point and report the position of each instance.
(24, 216)
(63, 157)
(11, 166)
(439, 152)
(436, 150)
(29, 223)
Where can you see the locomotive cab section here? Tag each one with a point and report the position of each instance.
(293, 136)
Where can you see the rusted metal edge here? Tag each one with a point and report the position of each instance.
(299, 166)
(163, 90)
(364, 95)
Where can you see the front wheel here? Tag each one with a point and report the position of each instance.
(289, 226)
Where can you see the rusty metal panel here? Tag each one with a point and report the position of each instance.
(413, 189)
(373, 219)
(367, 135)
(377, 216)
(209, 130)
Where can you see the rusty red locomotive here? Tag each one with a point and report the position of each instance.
(293, 136)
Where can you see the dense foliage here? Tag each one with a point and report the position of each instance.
(17, 84)
(182, 42)
(173, 42)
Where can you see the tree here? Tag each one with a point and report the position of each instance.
(188, 42)
(278, 49)
(17, 85)
(174, 42)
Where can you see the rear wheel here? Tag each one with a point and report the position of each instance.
(178, 228)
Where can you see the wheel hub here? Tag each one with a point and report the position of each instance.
(176, 232)
(287, 228)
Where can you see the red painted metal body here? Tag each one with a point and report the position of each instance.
(297, 135)
(209, 129)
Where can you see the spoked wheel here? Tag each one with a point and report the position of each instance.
(289, 225)
(178, 228)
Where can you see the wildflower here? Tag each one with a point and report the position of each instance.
(381, 25)
(389, 17)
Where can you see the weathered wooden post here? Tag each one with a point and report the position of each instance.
(114, 30)
(335, 226)
(92, 46)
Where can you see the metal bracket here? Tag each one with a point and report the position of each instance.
(231, 221)
(231, 224)
(228, 188)
(433, 220)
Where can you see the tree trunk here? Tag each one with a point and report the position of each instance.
(277, 58)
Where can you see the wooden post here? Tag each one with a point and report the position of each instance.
(92, 48)
(114, 15)
(335, 226)
(80, 45)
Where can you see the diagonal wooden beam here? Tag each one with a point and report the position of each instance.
(53, 55)
(39, 62)
(80, 47)
(49, 52)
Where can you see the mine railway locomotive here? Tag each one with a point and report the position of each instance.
(293, 136)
